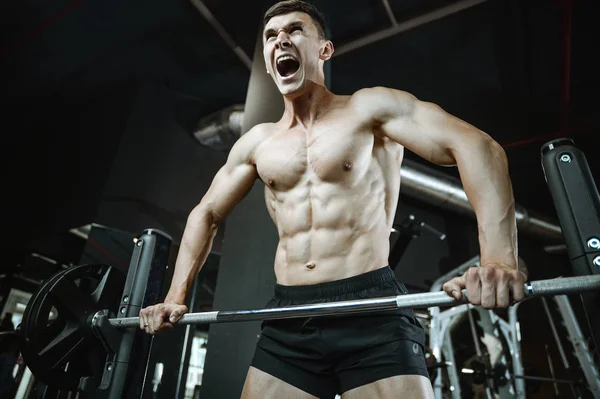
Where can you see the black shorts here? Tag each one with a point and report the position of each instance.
(329, 355)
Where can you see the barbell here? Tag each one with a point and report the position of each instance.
(560, 286)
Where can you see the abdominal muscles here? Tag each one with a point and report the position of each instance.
(331, 230)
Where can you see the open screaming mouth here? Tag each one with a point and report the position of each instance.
(287, 65)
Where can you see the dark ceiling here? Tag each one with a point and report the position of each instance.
(521, 70)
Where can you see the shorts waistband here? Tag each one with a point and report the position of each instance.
(335, 288)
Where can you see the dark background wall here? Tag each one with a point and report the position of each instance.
(73, 73)
(159, 172)
(99, 101)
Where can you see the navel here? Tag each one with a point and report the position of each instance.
(348, 166)
(310, 265)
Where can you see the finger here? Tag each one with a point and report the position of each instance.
(158, 319)
(144, 322)
(454, 287)
(176, 315)
(144, 319)
(473, 285)
(488, 287)
(518, 287)
(148, 319)
(503, 289)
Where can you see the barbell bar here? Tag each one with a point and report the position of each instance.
(558, 286)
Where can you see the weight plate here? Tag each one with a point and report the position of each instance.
(36, 295)
(58, 345)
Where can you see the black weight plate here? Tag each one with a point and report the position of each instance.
(36, 295)
(60, 350)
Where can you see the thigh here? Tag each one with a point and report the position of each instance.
(400, 386)
(260, 385)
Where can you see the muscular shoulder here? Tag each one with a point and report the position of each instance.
(382, 103)
(259, 133)
(244, 148)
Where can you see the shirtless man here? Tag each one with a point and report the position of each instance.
(331, 169)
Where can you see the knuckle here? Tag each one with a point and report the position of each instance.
(475, 301)
(518, 276)
(472, 278)
(487, 273)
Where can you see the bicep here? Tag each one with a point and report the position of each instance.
(230, 185)
(233, 181)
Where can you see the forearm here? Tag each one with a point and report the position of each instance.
(484, 172)
(196, 245)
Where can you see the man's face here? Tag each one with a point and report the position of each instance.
(292, 51)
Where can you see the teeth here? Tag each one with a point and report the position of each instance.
(285, 57)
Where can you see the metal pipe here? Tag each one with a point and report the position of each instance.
(551, 368)
(474, 333)
(559, 345)
(390, 13)
(488, 383)
(545, 379)
(201, 7)
(407, 25)
(567, 285)
(444, 191)
(579, 341)
(221, 129)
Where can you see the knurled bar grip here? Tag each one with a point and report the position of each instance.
(559, 286)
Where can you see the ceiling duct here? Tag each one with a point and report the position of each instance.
(220, 131)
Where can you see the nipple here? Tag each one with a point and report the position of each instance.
(271, 182)
(310, 265)
(347, 165)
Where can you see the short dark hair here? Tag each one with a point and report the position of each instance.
(288, 6)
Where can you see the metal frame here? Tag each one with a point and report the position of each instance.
(580, 345)
(210, 18)
(512, 333)
(407, 25)
(395, 29)
(440, 344)
(440, 341)
(390, 13)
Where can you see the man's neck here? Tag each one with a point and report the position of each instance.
(305, 109)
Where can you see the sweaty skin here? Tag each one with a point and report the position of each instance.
(331, 170)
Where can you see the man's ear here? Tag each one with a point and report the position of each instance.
(326, 50)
